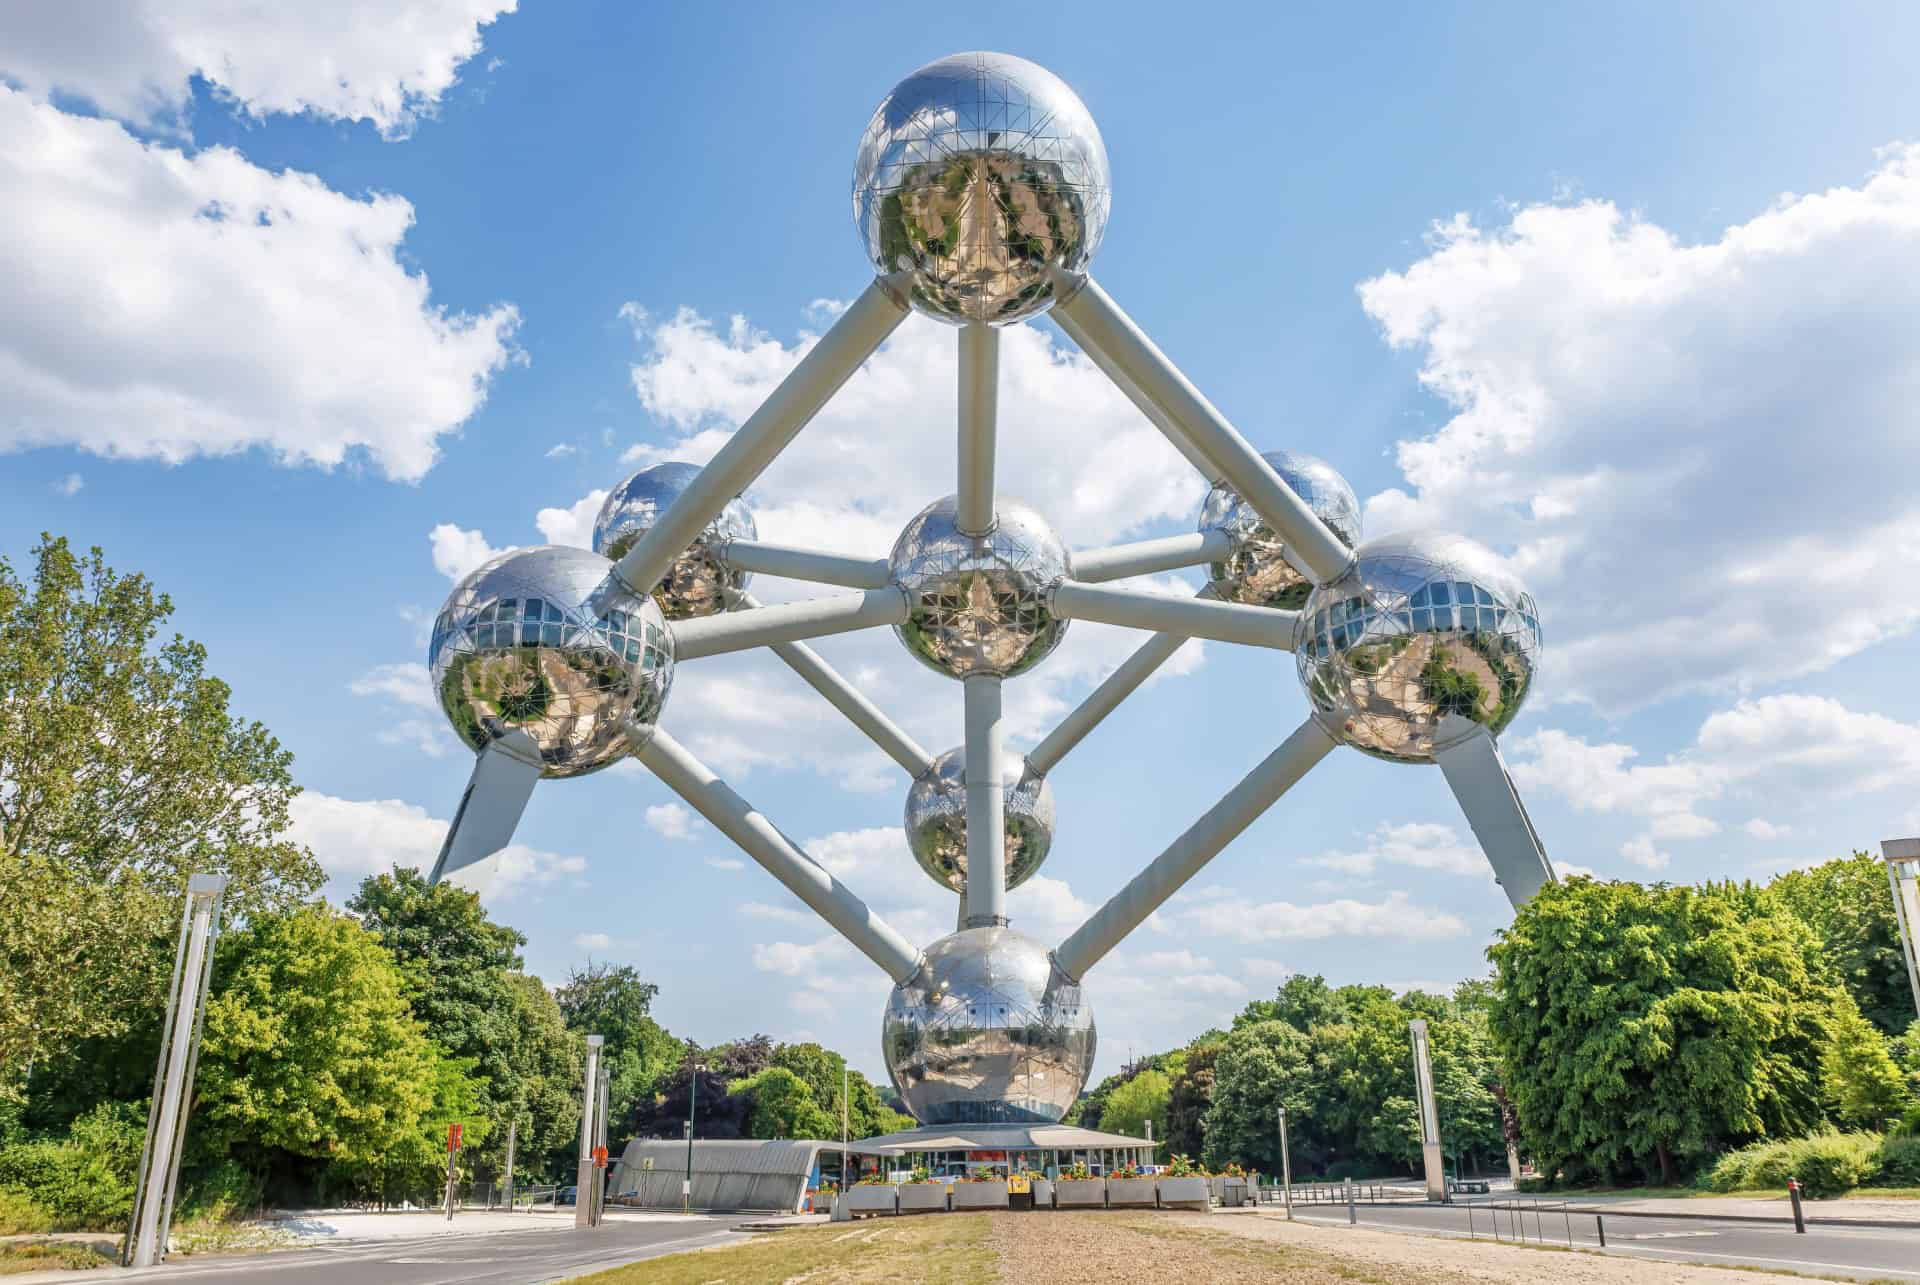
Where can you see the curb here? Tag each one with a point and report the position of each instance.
(1786, 1220)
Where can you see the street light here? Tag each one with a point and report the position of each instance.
(693, 1085)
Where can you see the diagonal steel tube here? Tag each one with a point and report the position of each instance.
(1259, 790)
(804, 564)
(1130, 390)
(986, 804)
(1117, 562)
(979, 410)
(843, 696)
(734, 817)
(787, 622)
(1104, 699)
(1197, 617)
(861, 329)
(1115, 342)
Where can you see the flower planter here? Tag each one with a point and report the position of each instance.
(926, 1197)
(1043, 1193)
(1130, 1193)
(979, 1195)
(1233, 1192)
(1080, 1193)
(873, 1198)
(1184, 1193)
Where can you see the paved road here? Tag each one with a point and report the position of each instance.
(1854, 1253)
(485, 1258)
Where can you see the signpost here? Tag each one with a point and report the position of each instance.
(173, 1074)
(584, 1173)
(453, 1156)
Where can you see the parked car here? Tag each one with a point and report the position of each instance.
(567, 1196)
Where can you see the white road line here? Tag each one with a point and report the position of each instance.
(1690, 1254)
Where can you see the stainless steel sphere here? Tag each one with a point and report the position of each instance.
(988, 1031)
(1421, 626)
(1257, 572)
(518, 646)
(698, 581)
(937, 819)
(978, 604)
(978, 175)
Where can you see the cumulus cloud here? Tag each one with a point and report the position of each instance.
(670, 821)
(1419, 845)
(572, 525)
(457, 551)
(69, 485)
(345, 60)
(354, 838)
(1244, 920)
(1642, 853)
(406, 683)
(1619, 399)
(593, 941)
(204, 306)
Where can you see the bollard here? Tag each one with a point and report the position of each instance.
(1352, 1216)
(1799, 1216)
(1600, 1229)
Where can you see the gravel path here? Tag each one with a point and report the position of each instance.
(1258, 1247)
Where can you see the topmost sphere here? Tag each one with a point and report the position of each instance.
(978, 174)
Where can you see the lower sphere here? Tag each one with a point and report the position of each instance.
(977, 604)
(1256, 571)
(698, 582)
(936, 820)
(548, 641)
(988, 1030)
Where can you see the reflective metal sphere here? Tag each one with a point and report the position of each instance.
(937, 819)
(517, 646)
(978, 604)
(1257, 572)
(697, 583)
(978, 174)
(988, 1030)
(1421, 626)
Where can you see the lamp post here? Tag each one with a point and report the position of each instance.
(693, 1086)
(589, 1108)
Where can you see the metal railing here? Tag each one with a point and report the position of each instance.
(1485, 1217)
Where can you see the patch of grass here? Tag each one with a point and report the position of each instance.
(947, 1249)
(40, 1256)
(21, 1214)
(225, 1236)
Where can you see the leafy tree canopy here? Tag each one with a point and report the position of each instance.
(615, 1002)
(1847, 904)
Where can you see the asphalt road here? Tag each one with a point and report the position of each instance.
(485, 1258)
(1862, 1253)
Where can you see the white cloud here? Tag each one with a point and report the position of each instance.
(593, 941)
(457, 551)
(346, 59)
(561, 450)
(354, 838)
(670, 821)
(406, 683)
(1763, 829)
(1619, 399)
(572, 525)
(726, 863)
(69, 485)
(1641, 852)
(1245, 920)
(430, 739)
(778, 914)
(206, 306)
(1570, 870)
(1419, 845)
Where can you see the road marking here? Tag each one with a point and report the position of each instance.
(1668, 1235)
(1791, 1262)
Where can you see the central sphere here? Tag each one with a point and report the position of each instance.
(988, 1031)
(978, 604)
(548, 641)
(698, 582)
(979, 175)
(1256, 572)
(1421, 626)
(937, 819)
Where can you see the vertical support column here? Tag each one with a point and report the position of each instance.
(979, 410)
(1480, 783)
(1903, 876)
(513, 1137)
(1286, 1167)
(986, 806)
(583, 1172)
(174, 1071)
(1429, 1113)
(600, 1175)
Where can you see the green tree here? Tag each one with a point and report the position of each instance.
(1141, 1100)
(309, 1048)
(1190, 1096)
(1864, 1087)
(1642, 1029)
(784, 1106)
(1846, 903)
(1260, 1068)
(615, 1002)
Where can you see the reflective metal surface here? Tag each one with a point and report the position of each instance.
(1257, 572)
(936, 819)
(697, 583)
(976, 174)
(1423, 625)
(987, 1030)
(516, 646)
(978, 604)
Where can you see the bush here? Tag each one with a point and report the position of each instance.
(1897, 1163)
(20, 1214)
(1827, 1164)
(224, 1190)
(84, 1181)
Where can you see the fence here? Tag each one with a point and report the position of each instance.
(1516, 1209)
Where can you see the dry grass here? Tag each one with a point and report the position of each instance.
(40, 1256)
(948, 1249)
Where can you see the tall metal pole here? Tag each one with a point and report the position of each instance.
(174, 1071)
(986, 804)
(513, 1131)
(686, 1186)
(1286, 1166)
(583, 1173)
(600, 1175)
(1903, 876)
(1429, 1112)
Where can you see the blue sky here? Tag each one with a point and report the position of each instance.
(1537, 275)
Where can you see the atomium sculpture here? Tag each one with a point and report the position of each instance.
(981, 193)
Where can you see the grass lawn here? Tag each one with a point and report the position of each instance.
(17, 1260)
(950, 1249)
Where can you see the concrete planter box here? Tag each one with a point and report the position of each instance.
(979, 1195)
(926, 1197)
(1184, 1193)
(874, 1198)
(1043, 1193)
(1080, 1193)
(1130, 1193)
(1233, 1192)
